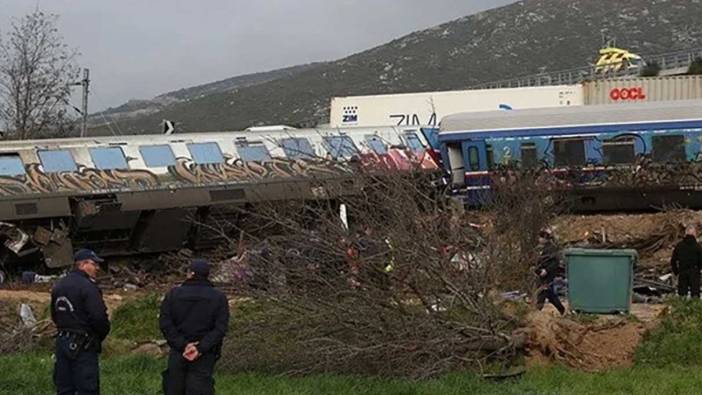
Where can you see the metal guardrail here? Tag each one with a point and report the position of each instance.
(667, 61)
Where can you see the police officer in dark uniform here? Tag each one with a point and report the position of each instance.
(80, 316)
(194, 319)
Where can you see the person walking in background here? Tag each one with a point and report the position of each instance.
(80, 315)
(194, 319)
(686, 263)
(547, 270)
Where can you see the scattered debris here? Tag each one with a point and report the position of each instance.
(32, 277)
(16, 238)
(27, 316)
(156, 348)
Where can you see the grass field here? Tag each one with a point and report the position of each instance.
(668, 361)
(31, 375)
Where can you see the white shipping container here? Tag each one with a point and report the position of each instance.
(639, 90)
(411, 109)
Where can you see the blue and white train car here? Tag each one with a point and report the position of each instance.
(601, 143)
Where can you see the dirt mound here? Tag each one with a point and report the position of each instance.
(589, 347)
(603, 343)
(652, 235)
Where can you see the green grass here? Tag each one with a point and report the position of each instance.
(137, 320)
(678, 339)
(141, 375)
(667, 362)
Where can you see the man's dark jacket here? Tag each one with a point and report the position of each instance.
(687, 257)
(77, 305)
(549, 261)
(195, 312)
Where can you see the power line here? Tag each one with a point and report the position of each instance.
(102, 114)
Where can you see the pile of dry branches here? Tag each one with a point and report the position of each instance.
(404, 284)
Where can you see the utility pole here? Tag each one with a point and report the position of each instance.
(85, 83)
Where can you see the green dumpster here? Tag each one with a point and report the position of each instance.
(600, 281)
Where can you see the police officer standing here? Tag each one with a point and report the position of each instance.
(686, 263)
(194, 319)
(80, 316)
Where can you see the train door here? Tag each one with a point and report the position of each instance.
(456, 163)
(475, 156)
(477, 181)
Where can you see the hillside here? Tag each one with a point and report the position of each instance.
(524, 38)
(135, 108)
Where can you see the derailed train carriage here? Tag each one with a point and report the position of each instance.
(605, 157)
(139, 194)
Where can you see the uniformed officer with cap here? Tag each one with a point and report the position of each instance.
(194, 319)
(81, 319)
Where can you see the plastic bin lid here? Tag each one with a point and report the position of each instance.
(593, 252)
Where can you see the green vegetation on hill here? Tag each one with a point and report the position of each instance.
(524, 38)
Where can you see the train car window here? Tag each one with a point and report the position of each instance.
(297, 148)
(57, 161)
(340, 147)
(473, 158)
(530, 158)
(669, 148)
(157, 155)
(619, 151)
(414, 142)
(11, 165)
(108, 158)
(377, 145)
(490, 156)
(569, 152)
(252, 152)
(205, 153)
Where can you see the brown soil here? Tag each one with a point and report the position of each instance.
(652, 235)
(39, 301)
(606, 342)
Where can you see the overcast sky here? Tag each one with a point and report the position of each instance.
(141, 48)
